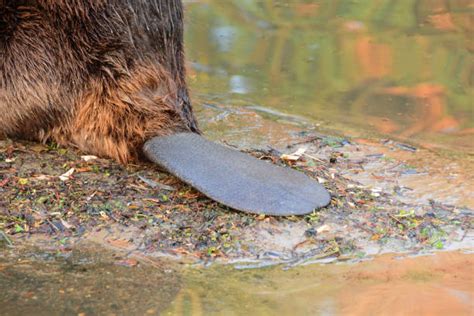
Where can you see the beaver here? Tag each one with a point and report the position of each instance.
(108, 77)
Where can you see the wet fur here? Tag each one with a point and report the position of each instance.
(100, 75)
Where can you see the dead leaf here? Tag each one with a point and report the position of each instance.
(323, 229)
(127, 262)
(120, 243)
(294, 156)
(84, 169)
(66, 224)
(321, 180)
(4, 182)
(87, 158)
(42, 177)
(65, 176)
(39, 148)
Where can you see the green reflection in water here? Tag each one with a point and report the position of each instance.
(399, 68)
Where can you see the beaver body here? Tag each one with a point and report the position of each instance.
(100, 75)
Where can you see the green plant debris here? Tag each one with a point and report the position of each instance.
(182, 221)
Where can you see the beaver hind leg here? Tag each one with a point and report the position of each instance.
(235, 179)
(114, 120)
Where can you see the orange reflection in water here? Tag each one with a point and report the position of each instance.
(431, 108)
(374, 58)
(400, 69)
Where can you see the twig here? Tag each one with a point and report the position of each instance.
(52, 225)
(312, 157)
(155, 184)
(397, 220)
(8, 240)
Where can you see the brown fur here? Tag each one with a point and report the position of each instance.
(100, 75)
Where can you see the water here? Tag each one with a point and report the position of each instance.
(91, 281)
(386, 68)
(84, 281)
(436, 285)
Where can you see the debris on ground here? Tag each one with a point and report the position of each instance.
(58, 194)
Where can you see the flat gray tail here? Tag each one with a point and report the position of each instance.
(235, 179)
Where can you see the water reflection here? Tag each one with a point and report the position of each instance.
(398, 68)
(431, 285)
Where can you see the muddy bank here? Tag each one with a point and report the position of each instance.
(53, 196)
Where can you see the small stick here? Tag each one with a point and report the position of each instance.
(2, 233)
(312, 157)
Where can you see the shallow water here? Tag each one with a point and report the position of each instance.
(397, 69)
(389, 285)
(84, 281)
(92, 281)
